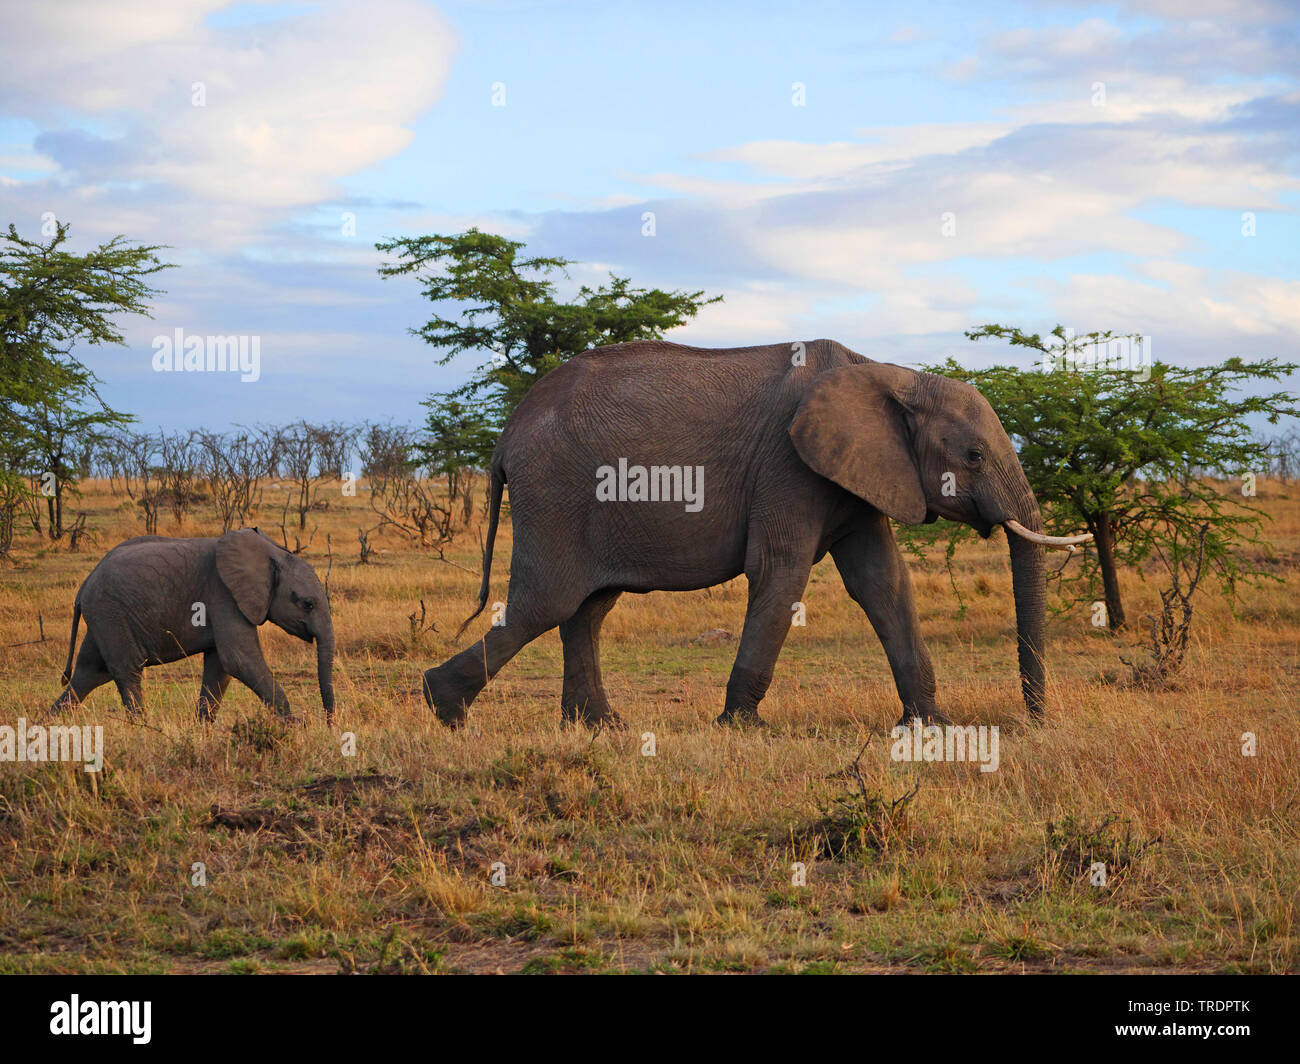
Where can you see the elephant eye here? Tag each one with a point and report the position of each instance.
(974, 456)
(308, 604)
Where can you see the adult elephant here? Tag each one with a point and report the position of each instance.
(782, 453)
(154, 599)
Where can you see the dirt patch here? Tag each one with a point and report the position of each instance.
(259, 820)
(342, 789)
(712, 638)
(341, 820)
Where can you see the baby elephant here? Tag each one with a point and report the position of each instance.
(152, 600)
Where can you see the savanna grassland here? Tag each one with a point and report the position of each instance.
(615, 861)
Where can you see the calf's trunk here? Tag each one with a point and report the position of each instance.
(325, 665)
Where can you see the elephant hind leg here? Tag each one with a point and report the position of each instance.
(90, 672)
(451, 687)
(213, 689)
(584, 696)
(132, 692)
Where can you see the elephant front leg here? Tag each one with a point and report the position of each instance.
(877, 578)
(773, 593)
(246, 664)
(213, 689)
(264, 685)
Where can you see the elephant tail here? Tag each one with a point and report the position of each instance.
(498, 481)
(72, 641)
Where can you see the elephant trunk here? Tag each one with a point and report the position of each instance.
(1029, 586)
(325, 663)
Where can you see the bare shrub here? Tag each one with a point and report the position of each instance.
(1284, 456)
(403, 492)
(1073, 847)
(177, 472)
(367, 551)
(307, 456)
(1169, 632)
(131, 457)
(855, 824)
(231, 466)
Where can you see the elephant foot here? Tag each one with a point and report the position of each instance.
(930, 716)
(593, 722)
(593, 711)
(447, 705)
(600, 721)
(741, 718)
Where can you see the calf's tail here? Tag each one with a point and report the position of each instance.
(72, 642)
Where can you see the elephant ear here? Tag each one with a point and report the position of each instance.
(246, 567)
(852, 428)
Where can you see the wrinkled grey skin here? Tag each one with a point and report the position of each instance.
(798, 460)
(139, 608)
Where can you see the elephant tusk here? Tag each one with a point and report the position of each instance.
(1060, 542)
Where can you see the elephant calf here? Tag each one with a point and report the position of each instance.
(153, 599)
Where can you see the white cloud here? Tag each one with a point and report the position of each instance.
(1054, 179)
(840, 237)
(751, 313)
(1234, 308)
(1236, 10)
(290, 105)
(880, 147)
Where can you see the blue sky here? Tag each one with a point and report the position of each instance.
(1097, 159)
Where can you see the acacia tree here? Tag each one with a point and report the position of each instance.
(51, 301)
(455, 441)
(297, 457)
(508, 308)
(53, 435)
(1126, 453)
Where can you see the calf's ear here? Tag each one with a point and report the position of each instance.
(246, 566)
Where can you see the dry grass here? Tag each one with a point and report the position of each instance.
(678, 862)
